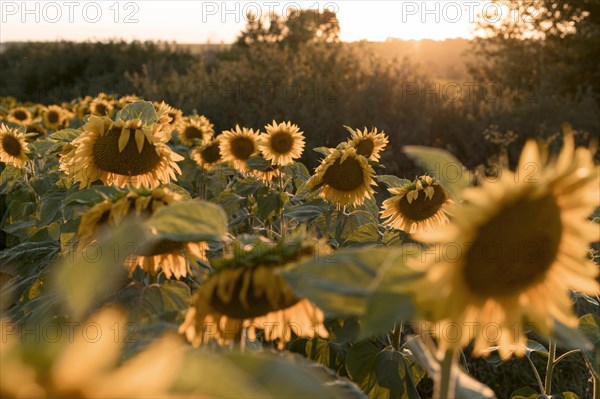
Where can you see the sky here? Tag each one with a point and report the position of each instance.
(195, 21)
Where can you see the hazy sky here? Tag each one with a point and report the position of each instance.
(216, 21)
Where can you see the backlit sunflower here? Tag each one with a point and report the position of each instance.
(246, 294)
(237, 146)
(368, 144)
(208, 154)
(170, 256)
(282, 143)
(344, 177)
(55, 117)
(195, 127)
(101, 106)
(169, 115)
(20, 116)
(13, 146)
(519, 245)
(121, 153)
(417, 206)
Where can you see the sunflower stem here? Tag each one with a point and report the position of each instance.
(550, 367)
(281, 221)
(396, 334)
(537, 376)
(445, 387)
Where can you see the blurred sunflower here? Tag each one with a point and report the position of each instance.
(170, 256)
(237, 146)
(13, 146)
(55, 117)
(82, 107)
(368, 144)
(170, 115)
(121, 153)
(101, 106)
(267, 176)
(246, 294)
(20, 116)
(282, 143)
(36, 131)
(344, 177)
(122, 102)
(523, 245)
(417, 206)
(195, 127)
(208, 154)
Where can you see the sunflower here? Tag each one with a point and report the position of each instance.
(282, 143)
(101, 106)
(126, 100)
(246, 294)
(20, 116)
(417, 206)
(208, 154)
(237, 146)
(520, 243)
(160, 254)
(121, 153)
(170, 115)
(55, 117)
(13, 146)
(267, 176)
(196, 127)
(344, 177)
(82, 108)
(368, 144)
(36, 131)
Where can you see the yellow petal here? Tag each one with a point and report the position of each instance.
(139, 139)
(124, 139)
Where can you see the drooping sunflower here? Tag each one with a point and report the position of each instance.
(519, 245)
(195, 127)
(13, 146)
(208, 154)
(369, 144)
(344, 177)
(172, 257)
(282, 143)
(55, 117)
(237, 146)
(417, 206)
(20, 116)
(170, 115)
(246, 294)
(121, 153)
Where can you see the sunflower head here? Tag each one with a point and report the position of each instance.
(417, 206)
(519, 244)
(102, 105)
(369, 144)
(121, 152)
(82, 107)
(247, 293)
(196, 128)
(208, 154)
(344, 177)
(20, 116)
(36, 131)
(13, 145)
(282, 143)
(126, 100)
(55, 117)
(237, 146)
(170, 116)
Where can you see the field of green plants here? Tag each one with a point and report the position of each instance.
(145, 254)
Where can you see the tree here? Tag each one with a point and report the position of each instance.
(553, 42)
(300, 26)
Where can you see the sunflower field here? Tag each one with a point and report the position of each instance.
(143, 255)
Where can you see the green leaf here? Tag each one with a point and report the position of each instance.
(269, 202)
(95, 271)
(147, 302)
(327, 353)
(65, 135)
(525, 393)
(91, 195)
(339, 283)
(382, 374)
(391, 181)
(440, 163)
(363, 235)
(193, 220)
(259, 163)
(143, 110)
